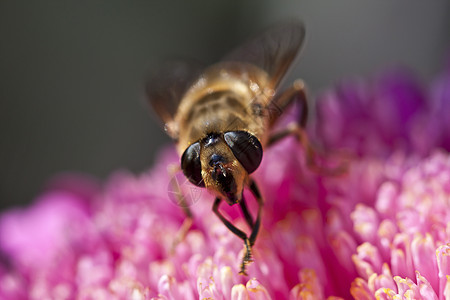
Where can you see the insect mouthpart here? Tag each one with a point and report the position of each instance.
(224, 178)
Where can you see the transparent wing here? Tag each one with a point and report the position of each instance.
(273, 51)
(167, 86)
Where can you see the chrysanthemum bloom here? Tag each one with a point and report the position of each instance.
(400, 218)
(380, 230)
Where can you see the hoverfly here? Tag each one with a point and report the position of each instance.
(221, 118)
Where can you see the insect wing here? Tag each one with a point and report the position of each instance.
(166, 87)
(274, 51)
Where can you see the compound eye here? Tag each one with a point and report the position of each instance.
(191, 166)
(246, 148)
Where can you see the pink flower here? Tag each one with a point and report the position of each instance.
(403, 234)
(378, 232)
(389, 113)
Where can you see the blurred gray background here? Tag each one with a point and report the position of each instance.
(72, 72)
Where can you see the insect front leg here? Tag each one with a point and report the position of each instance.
(248, 254)
(248, 241)
(247, 215)
(255, 228)
(181, 201)
(257, 224)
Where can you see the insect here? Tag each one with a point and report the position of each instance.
(222, 117)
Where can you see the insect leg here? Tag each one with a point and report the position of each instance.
(300, 134)
(248, 254)
(255, 229)
(227, 223)
(312, 160)
(297, 128)
(247, 215)
(296, 92)
(181, 201)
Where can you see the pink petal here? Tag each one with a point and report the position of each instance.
(406, 287)
(386, 233)
(385, 294)
(386, 202)
(367, 260)
(365, 222)
(360, 290)
(426, 291)
(443, 263)
(239, 292)
(423, 254)
(256, 290)
(35, 235)
(401, 257)
(311, 283)
(171, 289)
(382, 281)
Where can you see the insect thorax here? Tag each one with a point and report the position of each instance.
(228, 97)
